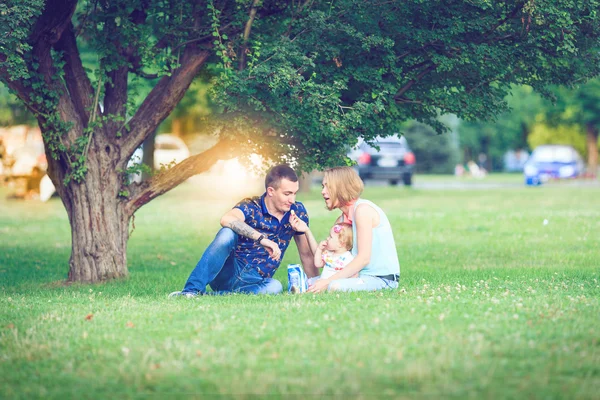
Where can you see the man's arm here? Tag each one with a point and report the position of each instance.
(306, 255)
(234, 220)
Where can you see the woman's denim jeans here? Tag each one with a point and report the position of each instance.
(219, 268)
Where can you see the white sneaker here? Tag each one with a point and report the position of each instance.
(189, 295)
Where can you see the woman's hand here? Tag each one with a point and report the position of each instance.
(319, 286)
(297, 224)
(272, 248)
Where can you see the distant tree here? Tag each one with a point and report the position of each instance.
(579, 106)
(435, 153)
(544, 133)
(193, 113)
(296, 80)
(588, 98)
(508, 131)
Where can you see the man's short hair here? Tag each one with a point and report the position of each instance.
(277, 173)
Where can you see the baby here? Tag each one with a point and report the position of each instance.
(333, 253)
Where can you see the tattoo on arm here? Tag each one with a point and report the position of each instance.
(243, 229)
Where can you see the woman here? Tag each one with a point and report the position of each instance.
(374, 250)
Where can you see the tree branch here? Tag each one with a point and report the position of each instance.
(417, 66)
(410, 83)
(66, 111)
(79, 28)
(115, 96)
(78, 83)
(203, 38)
(54, 20)
(297, 12)
(115, 88)
(247, 30)
(47, 30)
(162, 100)
(163, 182)
(137, 68)
(510, 16)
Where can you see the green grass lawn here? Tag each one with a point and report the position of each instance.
(492, 303)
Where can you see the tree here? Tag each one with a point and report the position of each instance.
(543, 132)
(296, 80)
(435, 154)
(580, 106)
(508, 131)
(589, 98)
(193, 111)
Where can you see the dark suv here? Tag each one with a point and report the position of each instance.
(394, 161)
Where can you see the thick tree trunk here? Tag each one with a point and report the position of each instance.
(99, 233)
(592, 147)
(305, 183)
(99, 221)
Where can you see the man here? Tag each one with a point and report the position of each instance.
(248, 249)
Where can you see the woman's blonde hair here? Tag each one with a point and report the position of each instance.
(344, 232)
(344, 185)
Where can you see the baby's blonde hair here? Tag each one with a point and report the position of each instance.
(344, 232)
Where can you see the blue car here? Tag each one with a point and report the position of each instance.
(553, 161)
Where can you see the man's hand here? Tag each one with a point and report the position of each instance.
(319, 286)
(272, 248)
(297, 224)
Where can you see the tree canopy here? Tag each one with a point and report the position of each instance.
(296, 80)
(317, 73)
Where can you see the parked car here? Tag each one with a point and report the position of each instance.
(24, 168)
(26, 160)
(394, 161)
(553, 162)
(167, 149)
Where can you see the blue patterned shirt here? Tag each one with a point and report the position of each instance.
(281, 232)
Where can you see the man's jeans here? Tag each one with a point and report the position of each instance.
(219, 268)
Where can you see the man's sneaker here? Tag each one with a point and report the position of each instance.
(189, 295)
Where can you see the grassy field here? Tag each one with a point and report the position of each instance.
(499, 298)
